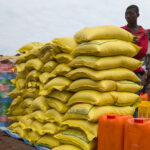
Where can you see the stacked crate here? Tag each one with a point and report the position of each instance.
(6, 74)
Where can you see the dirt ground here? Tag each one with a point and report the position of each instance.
(9, 143)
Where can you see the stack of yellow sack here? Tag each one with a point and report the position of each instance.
(103, 80)
(23, 94)
(40, 94)
(62, 88)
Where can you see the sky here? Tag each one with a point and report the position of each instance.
(24, 21)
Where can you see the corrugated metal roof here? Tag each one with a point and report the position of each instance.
(9, 58)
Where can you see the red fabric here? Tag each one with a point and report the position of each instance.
(140, 70)
(142, 42)
(148, 30)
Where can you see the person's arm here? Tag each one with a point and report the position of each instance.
(135, 40)
(143, 42)
(147, 60)
(144, 78)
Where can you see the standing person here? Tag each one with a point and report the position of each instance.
(131, 16)
(146, 80)
(148, 52)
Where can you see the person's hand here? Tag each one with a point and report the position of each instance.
(135, 39)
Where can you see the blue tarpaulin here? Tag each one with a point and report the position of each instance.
(16, 136)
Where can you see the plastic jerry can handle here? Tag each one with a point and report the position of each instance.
(111, 116)
(138, 120)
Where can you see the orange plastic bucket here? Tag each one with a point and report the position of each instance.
(144, 109)
(144, 96)
(111, 132)
(137, 134)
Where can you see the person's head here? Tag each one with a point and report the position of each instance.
(131, 14)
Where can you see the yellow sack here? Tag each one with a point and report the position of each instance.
(103, 63)
(31, 84)
(47, 53)
(125, 98)
(26, 103)
(56, 48)
(44, 77)
(66, 44)
(47, 56)
(58, 83)
(21, 59)
(61, 69)
(15, 103)
(91, 97)
(88, 84)
(33, 76)
(41, 86)
(103, 32)
(66, 147)
(35, 63)
(34, 53)
(128, 86)
(104, 86)
(51, 128)
(61, 95)
(14, 125)
(75, 137)
(56, 104)
(38, 115)
(107, 48)
(20, 83)
(20, 67)
(36, 125)
(48, 141)
(34, 84)
(93, 113)
(49, 116)
(111, 74)
(20, 131)
(22, 75)
(13, 81)
(15, 118)
(30, 93)
(89, 128)
(15, 93)
(25, 122)
(53, 116)
(39, 104)
(32, 136)
(106, 98)
(26, 48)
(63, 58)
(17, 110)
(49, 66)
